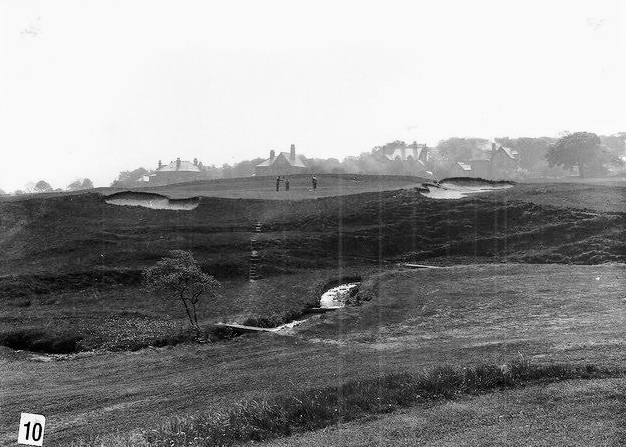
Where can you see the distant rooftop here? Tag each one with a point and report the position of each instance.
(184, 166)
(296, 161)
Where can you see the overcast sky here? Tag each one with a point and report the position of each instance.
(92, 87)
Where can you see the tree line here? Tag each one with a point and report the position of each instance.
(584, 153)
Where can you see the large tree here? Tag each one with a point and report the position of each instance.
(79, 184)
(582, 150)
(42, 186)
(179, 277)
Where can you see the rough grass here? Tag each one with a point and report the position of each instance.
(579, 413)
(128, 318)
(80, 234)
(257, 420)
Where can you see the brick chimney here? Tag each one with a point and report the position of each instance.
(272, 154)
(195, 161)
(178, 163)
(293, 152)
(160, 164)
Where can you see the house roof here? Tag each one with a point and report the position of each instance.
(185, 166)
(397, 153)
(464, 166)
(408, 152)
(296, 162)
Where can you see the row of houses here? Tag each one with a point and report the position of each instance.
(179, 171)
(497, 163)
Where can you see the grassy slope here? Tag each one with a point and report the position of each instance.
(595, 197)
(494, 309)
(578, 413)
(82, 234)
(104, 392)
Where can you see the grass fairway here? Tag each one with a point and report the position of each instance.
(576, 413)
(421, 319)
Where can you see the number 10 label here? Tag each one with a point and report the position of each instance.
(31, 429)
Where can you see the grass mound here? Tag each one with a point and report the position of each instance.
(257, 420)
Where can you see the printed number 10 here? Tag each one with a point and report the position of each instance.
(37, 429)
(32, 428)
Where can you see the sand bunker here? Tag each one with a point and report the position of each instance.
(337, 296)
(457, 189)
(152, 201)
(334, 298)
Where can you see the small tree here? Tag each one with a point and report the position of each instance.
(583, 150)
(180, 277)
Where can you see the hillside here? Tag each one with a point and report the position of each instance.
(81, 233)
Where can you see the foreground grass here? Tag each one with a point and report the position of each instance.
(256, 420)
(422, 319)
(574, 413)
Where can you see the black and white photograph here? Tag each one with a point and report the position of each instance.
(312, 223)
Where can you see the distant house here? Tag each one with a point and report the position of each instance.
(504, 162)
(285, 163)
(417, 152)
(412, 158)
(499, 163)
(178, 171)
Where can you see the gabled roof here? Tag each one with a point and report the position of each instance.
(397, 153)
(296, 162)
(464, 166)
(185, 166)
(408, 152)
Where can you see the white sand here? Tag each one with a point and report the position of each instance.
(336, 297)
(154, 204)
(449, 191)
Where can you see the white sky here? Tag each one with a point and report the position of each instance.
(92, 87)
